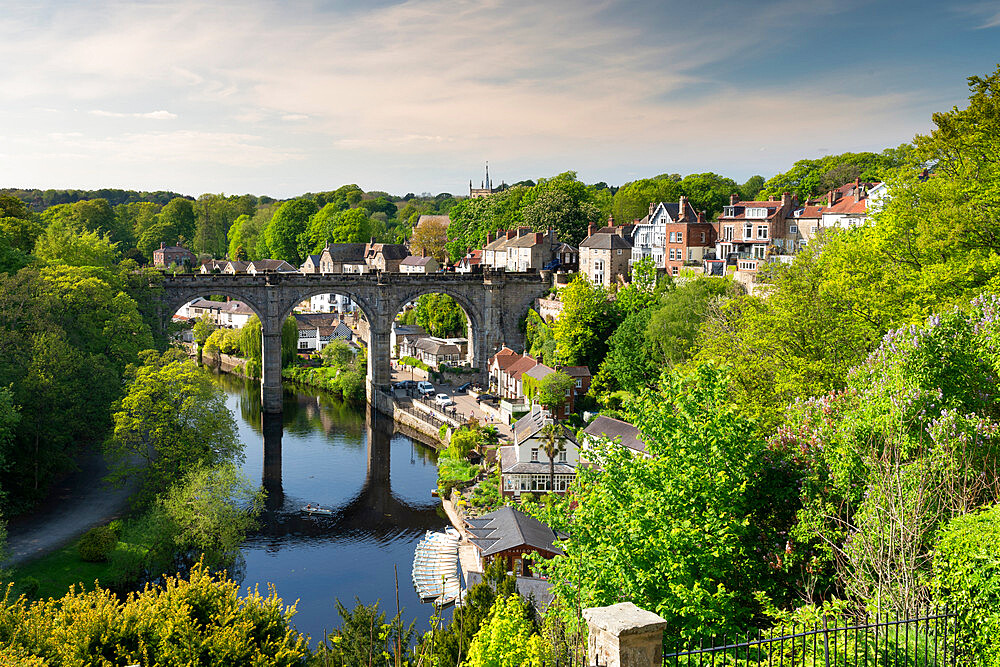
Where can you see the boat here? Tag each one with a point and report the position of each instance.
(322, 511)
(434, 492)
(435, 567)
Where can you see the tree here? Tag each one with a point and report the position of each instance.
(333, 225)
(672, 328)
(20, 233)
(337, 354)
(282, 232)
(585, 324)
(668, 532)
(61, 243)
(439, 315)
(554, 208)
(203, 328)
(172, 418)
(553, 445)
(509, 637)
(430, 237)
(553, 391)
(632, 200)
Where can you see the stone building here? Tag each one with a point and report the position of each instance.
(165, 256)
(605, 255)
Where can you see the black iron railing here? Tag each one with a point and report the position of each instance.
(927, 640)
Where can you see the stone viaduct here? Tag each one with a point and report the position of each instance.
(494, 303)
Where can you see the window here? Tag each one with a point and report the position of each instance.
(619, 251)
(703, 237)
(762, 231)
(727, 233)
(814, 228)
(756, 212)
(748, 231)
(729, 211)
(579, 383)
(758, 251)
(680, 237)
(562, 457)
(673, 237)
(793, 229)
(534, 454)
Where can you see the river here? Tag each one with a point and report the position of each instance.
(378, 483)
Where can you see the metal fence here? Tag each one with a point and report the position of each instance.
(927, 640)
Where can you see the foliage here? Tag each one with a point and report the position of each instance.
(430, 237)
(808, 178)
(967, 579)
(552, 391)
(414, 362)
(553, 444)
(333, 224)
(281, 236)
(251, 343)
(203, 328)
(669, 532)
(541, 342)
(61, 243)
(97, 544)
(365, 638)
(912, 441)
(172, 418)
(438, 314)
(344, 378)
(509, 637)
(198, 620)
(588, 318)
(450, 645)
(337, 354)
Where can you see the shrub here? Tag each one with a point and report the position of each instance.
(967, 579)
(97, 544)
(29, 586)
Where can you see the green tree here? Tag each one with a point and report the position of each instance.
(203, 328)
(632, 200)
(430, 237)
(337, 354)
(668, 532)
(61, 243)
(283, 231)
(365, 638)
(555, 208)
(587, 320)
(333, 225)
(553, 391)
(508, 638)
(171, 419)
(439, 315)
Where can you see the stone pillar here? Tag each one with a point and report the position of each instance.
(270, 387)
(271, 479)
(624, 635)
(379, 373)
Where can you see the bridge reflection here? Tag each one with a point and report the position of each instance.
(375, 512)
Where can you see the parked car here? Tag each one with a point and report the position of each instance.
(463, 387)
(485, 397)
(425, 388)
(404, 384)
(443, 400)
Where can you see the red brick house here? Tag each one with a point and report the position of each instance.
(165, 256)
(687, 238)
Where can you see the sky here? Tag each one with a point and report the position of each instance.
(282, 98)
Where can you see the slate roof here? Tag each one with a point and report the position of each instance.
(497, 244)
(237, 266)
(388, 250)
(605, 241)
(563, 247)
(237, 308)
(439, 219)
(509, 465)
(529, 240)
(531, 423)
(509, 528)
(576, 371)
(206, 303)
(436, 347)
(540, 371)
(313, 320)
(610, 428)
(345, 252)
(413, 260)
(278, 265)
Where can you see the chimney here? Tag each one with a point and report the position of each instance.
(523, 231)
(591, 229)
(833, 196)
(702, 216)
(611, 220)
(423, 252)
(489, 238)
(733, 199)
(162, 245)
(620, 231)
(511, 234)
(538, 237)
(786, 200)
(652, 207)
(682, 206)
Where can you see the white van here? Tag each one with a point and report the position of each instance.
(425, 388)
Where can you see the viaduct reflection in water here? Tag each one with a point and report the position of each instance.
(374, 512)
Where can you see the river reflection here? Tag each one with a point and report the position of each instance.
(377, 483)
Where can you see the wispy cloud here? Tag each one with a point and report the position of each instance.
(986, 14)
(153, 115)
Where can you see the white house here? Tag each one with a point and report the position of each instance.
(525, 467)
(331, 303)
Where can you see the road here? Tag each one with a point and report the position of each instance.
(465, 404)
(75, 505)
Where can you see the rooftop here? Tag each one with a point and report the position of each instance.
(509, 528)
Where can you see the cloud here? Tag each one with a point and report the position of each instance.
(986, 13)
(154, 115)
(294, 116)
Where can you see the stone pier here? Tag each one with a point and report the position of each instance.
(623, 635)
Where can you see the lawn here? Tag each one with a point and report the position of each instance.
(59, 570)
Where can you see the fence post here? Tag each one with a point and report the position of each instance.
(623, 635)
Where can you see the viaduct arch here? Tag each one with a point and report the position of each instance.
(494, 302)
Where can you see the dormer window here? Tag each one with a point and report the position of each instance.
(729, 211)
(756, 213)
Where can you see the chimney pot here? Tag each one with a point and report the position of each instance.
(539, 236)
(733, 199)
(652, 207)
(682, 208)
(591, 229)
